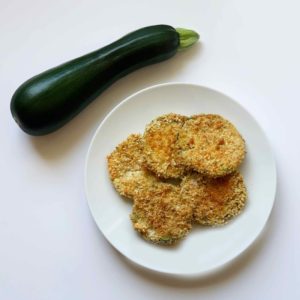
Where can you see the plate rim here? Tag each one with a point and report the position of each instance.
(245, 246)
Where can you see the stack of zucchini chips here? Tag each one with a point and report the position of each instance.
(182, 171)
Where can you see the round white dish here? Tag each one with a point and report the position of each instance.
(205, 248)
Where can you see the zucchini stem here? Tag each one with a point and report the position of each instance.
(187, 38)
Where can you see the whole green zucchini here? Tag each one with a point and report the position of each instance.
(49, 100)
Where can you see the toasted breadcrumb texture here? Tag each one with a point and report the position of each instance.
(161, 152)
(160, 215)
(210, 145)
(126, 170)
(216, 200)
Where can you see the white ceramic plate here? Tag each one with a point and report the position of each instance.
(204, 249)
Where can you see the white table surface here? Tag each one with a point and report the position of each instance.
(50, 246)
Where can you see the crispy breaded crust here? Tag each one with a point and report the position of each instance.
(125, 166)
(160, 215)
(182, 170)
(217, 200)
(210, 145)
(160, 150)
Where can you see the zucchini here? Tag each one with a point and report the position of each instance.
(49, 100)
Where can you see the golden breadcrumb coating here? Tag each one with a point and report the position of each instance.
(161, 215)
(210, 145)
(182, 170)
(161, 153)
(125, 166)
(216, 200)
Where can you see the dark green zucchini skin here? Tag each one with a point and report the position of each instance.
(49, 100)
